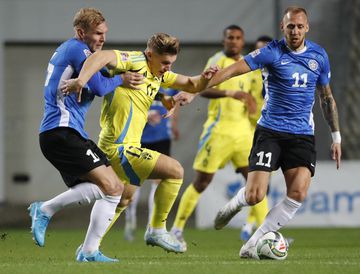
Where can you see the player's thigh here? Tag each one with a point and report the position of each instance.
(132, 164)
(213, 153)
(71, 154)
(266, 150)
(299, 151)
(106, 179)
(167, 168)
(297, 182)
(241, 151)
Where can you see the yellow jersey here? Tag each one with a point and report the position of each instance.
(124, 111)
(256, 92)
(228, 115)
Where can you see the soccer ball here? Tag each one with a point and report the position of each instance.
(273, 246)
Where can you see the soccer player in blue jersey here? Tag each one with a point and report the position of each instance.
(157, 135)
(64, 142)
(293, 68)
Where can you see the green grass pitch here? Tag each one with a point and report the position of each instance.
(209, 251)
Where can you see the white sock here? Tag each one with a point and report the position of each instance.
(248, 227)
(157, 230)
(84, 193)
(130, 212)
(238, 199)
(101, 216)
(151, 199)
(277, 217)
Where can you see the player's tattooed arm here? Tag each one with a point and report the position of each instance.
(328, 107)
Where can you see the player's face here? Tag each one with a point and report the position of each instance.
(233, 42)
(95, 37)
(260, 44)
(295, 26)
(160, 63)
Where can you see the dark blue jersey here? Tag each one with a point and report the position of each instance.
(65, 111)
(290, 80)
(161, 131)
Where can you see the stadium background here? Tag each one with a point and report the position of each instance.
(31, 30)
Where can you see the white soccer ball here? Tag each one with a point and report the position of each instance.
(273, 246)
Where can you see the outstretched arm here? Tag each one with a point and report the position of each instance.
(92, 65)
(238, 68)
(194, 84)
(329, 110)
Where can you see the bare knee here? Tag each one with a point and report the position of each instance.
(254, 196)
(112, 186)
(202, 181)
(297, 195)
(178, 171)
(201, 185)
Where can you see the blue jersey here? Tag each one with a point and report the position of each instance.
(161, 131)
(290, 80)
(65, 111)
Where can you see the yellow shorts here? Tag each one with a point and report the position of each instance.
(132, 164)
(216, 150)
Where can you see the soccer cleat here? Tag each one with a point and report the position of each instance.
(249, 252)
(96, 256)
(165, 240)
(225, 214)
(178, 234)
(39, 223)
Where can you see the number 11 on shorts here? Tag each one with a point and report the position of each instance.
(93, 155)
(261, 159)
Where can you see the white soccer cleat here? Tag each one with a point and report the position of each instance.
(225, 214)
(178, 234)
(249, 252)
(164, 240)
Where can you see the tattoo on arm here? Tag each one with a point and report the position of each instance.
(328, 107)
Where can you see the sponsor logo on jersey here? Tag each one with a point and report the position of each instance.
(255, 53)
(87, 52)
(313, 65)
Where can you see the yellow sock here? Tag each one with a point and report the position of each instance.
(251, 218)
(164, 199)
(187, 205)
(260, 211)
(118, 212)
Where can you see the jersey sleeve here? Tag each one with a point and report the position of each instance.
(261, 57)
(325, 73)
(126, 60)
(98, 84)
(168, 79)
(77, 55)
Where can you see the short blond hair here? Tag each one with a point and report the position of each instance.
(86, 18)
(163, 43)
(295, 10)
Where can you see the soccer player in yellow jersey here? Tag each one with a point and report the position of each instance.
(123, 117)
(228, 132)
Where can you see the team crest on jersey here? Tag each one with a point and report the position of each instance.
(87, 52)
(146, 156)
(313, 65)
(124, 56)
(255, 53)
